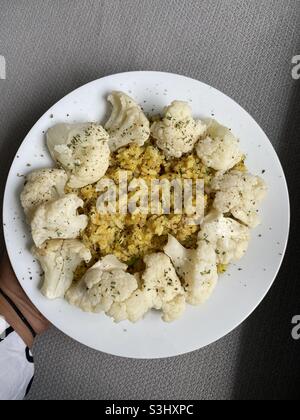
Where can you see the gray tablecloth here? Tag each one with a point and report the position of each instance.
(245, 49)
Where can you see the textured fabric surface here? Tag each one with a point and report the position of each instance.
(243, 48)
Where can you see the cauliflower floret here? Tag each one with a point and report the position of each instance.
(103, 285)
(174, 309)
(239, 194)
(41, 187)
(133, 309)
(127, 123)
(82, 150)
(197, 269)
(58, 220)
(229, 238)
(59, 260)
(163, 285)
(177, 133)
(161, 290)
(220, 149)
(107, 287)
(77, 295)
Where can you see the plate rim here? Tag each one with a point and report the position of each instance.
(285, 183)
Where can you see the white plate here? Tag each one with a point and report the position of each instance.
(239, 292)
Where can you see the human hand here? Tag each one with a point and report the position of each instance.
(15, 294)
